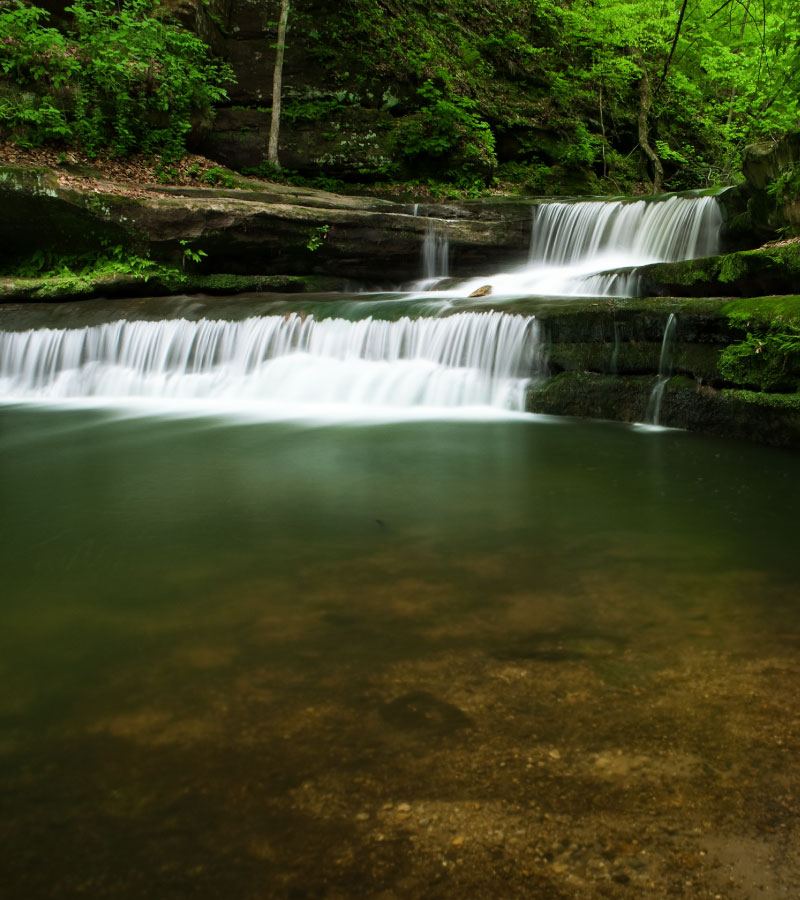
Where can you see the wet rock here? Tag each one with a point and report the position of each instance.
(769, 419)
(765, 161)
(483, 291)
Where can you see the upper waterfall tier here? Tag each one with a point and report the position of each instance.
(642, 231)
(464, 360)
(574, 245)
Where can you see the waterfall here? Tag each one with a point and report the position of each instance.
(651, 230)
(435, 252)
(462, 360)
(665, 366)
(578, 249)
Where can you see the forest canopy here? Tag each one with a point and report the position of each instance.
(593, 94)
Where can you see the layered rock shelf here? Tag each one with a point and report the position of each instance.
(263, 229)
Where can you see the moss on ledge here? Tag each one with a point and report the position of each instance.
(766, 270)
(767, 418)
(72, 286)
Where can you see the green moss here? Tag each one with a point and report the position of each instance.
(747, 272)
(769, 356)
(788, 402)
(731, 268)
(762, 311)
(109, 280)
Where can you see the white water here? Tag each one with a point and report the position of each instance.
(665, 366)
(480, 361)
(283, 366)
(435, 254)
(574, 245)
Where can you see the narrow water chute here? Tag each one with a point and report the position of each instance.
(665, 369)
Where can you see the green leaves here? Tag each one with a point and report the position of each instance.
(448, 127)
(125, 78)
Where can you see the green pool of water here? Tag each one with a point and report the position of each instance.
(509, 658)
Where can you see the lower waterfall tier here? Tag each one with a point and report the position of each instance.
(475, 359)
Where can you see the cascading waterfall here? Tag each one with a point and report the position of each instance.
(462, 360)
(656, 230)
(577, 249)
(665, 366)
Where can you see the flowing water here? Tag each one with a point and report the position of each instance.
(282, 364)
(436, 251)
(254, 647)
(577, 247)
(665, 366)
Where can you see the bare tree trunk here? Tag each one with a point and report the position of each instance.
(732, 100)
(673, 45)
(277, 82)
(645, 101)
(603, 130)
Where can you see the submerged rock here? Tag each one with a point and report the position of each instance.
(422, 712)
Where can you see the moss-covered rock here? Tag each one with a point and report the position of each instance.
(772, 186)
(64, 287)
(763, 163)
(766, 270)
(766, 418)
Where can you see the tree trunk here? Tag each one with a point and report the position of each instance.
(741, 41)
(645, 101)
(277, 83)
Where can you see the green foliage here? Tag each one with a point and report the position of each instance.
(558, 82)
(786, 186)
(317, 237)
(113, 260)
(316, 107)
(769, 357)
(190, 254)
(769, 362)
(448, 128)
(122, 79)
(220, 176)
(469, 88)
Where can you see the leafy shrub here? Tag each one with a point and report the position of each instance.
(220, 176)
(124, 78)
(448, 131)
(786, 186)
(769, 362)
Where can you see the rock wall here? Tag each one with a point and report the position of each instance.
(605, 356)
(268, 230)
(768, 204)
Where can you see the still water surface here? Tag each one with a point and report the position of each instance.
(527, 658)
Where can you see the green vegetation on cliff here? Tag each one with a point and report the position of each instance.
(120, 78)
(769, 356)
(547, 96)
(581, 95)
